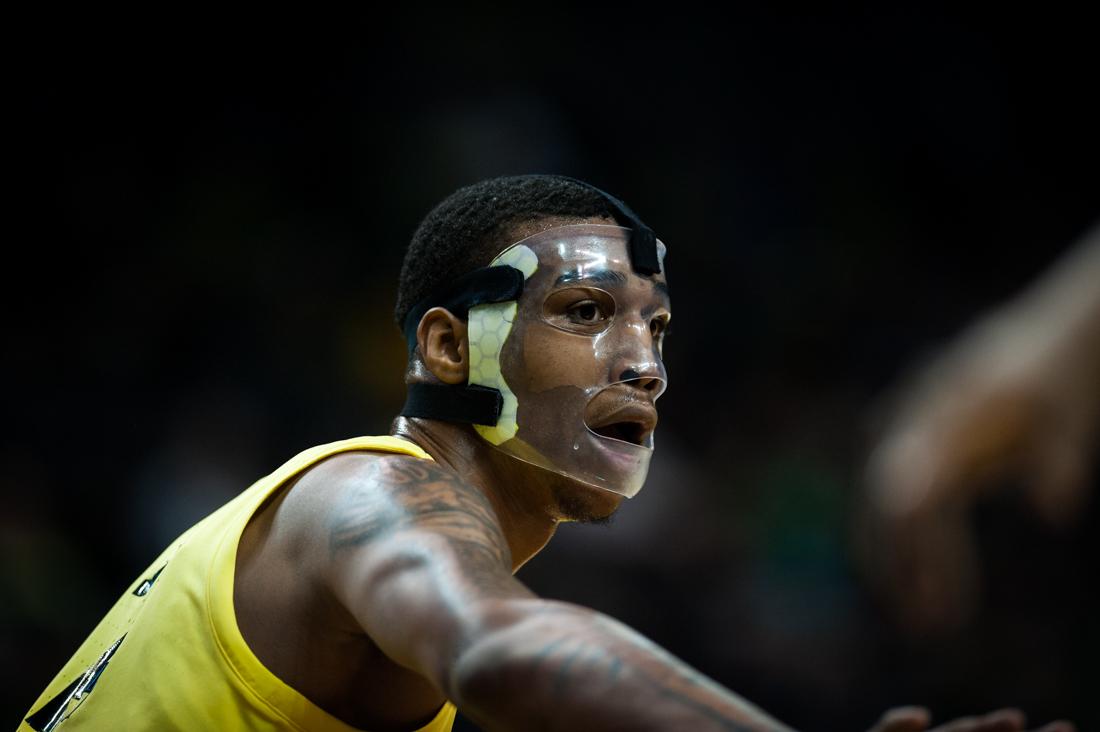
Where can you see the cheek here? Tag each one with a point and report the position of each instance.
(551, 358)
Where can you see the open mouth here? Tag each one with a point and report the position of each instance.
(622, 417)
(632, 432)
(631, 422)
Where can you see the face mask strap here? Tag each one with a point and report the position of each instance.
(643, 242)
(480, 287)
(467, 403)
(470, 403)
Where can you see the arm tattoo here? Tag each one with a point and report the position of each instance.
(578, 659)
(398, 494)
(402, 493)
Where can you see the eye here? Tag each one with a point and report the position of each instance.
(583, 310)
(587, 312)
(658, 327)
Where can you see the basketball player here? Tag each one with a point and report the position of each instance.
(368, 584)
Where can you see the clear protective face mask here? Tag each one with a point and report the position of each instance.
(577, 358)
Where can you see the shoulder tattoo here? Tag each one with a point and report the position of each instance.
(400, 493)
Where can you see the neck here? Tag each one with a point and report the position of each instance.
(524, 505)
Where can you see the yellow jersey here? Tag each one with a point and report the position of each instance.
(169, 654)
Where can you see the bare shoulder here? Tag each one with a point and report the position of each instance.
(410, 551)
(353, 500)
(395, 493)
(357, 582)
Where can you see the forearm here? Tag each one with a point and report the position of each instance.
(562, 667)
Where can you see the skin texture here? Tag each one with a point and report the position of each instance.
(380, 585)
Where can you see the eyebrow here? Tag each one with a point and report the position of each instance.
(605, 276)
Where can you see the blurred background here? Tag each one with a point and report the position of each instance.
(202, 260)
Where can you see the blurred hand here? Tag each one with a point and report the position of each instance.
(917, 719)
(1014, 397)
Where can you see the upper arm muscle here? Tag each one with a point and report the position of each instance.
(416, 556)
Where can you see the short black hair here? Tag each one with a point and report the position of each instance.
(470, 227)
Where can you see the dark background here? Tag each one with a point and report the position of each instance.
(202, 257)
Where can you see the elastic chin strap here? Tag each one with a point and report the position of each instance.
(466, 403)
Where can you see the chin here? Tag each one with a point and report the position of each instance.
(585, 503)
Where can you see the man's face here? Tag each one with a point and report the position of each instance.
(584, 359)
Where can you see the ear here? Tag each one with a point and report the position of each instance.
(444, 348)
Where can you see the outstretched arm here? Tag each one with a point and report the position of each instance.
(418, 558)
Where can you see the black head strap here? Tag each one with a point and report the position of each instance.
(485, 285)
(470, 403)
(643, 242)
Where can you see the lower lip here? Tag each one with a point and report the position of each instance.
(624, 456)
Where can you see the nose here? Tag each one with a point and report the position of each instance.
(652, 383)
(639, 362)
(632, 356)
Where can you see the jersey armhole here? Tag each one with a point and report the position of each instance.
(249, 672)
